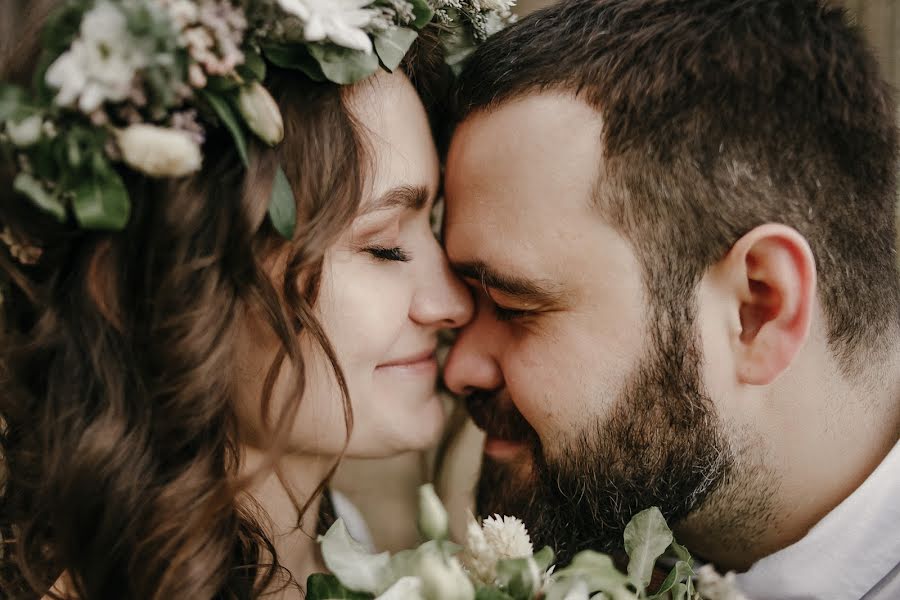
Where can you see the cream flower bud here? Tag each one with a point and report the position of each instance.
(444, 580)
(261, 113)
(25, 132)
(159, 151)
(433, 520)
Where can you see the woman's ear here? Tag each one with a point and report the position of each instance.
(772, 275)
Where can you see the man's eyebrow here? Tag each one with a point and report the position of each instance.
(518, 287)
(412, 197)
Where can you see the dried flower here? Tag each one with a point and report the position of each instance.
(713, 586)
(261, 113)
(498, 538)
(159, 151)
(339, 21)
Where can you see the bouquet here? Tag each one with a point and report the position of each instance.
(498, 562)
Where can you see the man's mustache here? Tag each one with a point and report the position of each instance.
(495, 414)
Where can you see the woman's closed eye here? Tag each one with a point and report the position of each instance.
(509, 314)
(395, 254)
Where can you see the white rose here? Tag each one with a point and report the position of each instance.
(261, 113)
(158, 151)
(26, 132)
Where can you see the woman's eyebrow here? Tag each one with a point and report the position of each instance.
(412, 197)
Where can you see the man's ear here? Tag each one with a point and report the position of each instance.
(772, 272)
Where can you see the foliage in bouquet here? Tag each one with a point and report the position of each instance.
(138, 84)
(499, 563)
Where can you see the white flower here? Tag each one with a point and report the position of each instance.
(433, 520)
(159, 151)
(25, 132)
(498, 538)
(261, 113)
(713, 586)
(340, 21)
(444, 580)
(100, 65)
(507, 536)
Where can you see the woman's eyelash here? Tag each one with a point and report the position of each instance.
(508, 314)
(389, 254)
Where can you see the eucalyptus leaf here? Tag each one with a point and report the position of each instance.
(681, 553)
(282, 206)
(422, 12)
(320, 586)
(343, 65)
(595, 569)
(50, 203)
(393, 44)
(294, 57)
(646, 538)
(355, 568)
(222, 107)
(101, 199)
(681, 573)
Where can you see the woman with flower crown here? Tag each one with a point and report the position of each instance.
(218, 278)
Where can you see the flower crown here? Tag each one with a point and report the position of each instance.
(139, 82)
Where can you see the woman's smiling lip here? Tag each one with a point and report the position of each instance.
(425, 359)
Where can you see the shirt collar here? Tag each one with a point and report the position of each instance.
(845, 554)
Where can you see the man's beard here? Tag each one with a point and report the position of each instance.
(662, 445)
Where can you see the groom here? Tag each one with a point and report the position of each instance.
(678, 222)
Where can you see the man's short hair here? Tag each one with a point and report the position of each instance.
(718, 116)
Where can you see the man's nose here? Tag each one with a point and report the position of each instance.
(472, 363)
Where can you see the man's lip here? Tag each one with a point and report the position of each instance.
(424, 357)
(503, 449)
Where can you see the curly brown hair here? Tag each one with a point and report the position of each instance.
(117, 424)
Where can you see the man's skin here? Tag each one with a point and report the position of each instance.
(566, 347)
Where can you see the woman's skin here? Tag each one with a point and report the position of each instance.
(386, 291)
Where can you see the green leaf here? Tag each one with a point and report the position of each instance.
(393, 44)
(14, 104)
(423, 13)
(544, 558)
(354, 567)
(646, 538)
(295, 57)
(50, 203)
(254, 66)
(490, 593)
(680, 591)
(343, 65)
(101, 199)
(681, 553)
(229, 118)
(680, 573)
(595, 569)
(320, 586)
(282, 206)
(519, 577)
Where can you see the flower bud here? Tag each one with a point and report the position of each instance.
(261, 113)
(433, 520)
(25, 132)
(159, 151)
(444, 579)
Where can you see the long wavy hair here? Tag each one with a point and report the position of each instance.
(118, 436)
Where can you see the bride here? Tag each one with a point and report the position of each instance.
(220, 277)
